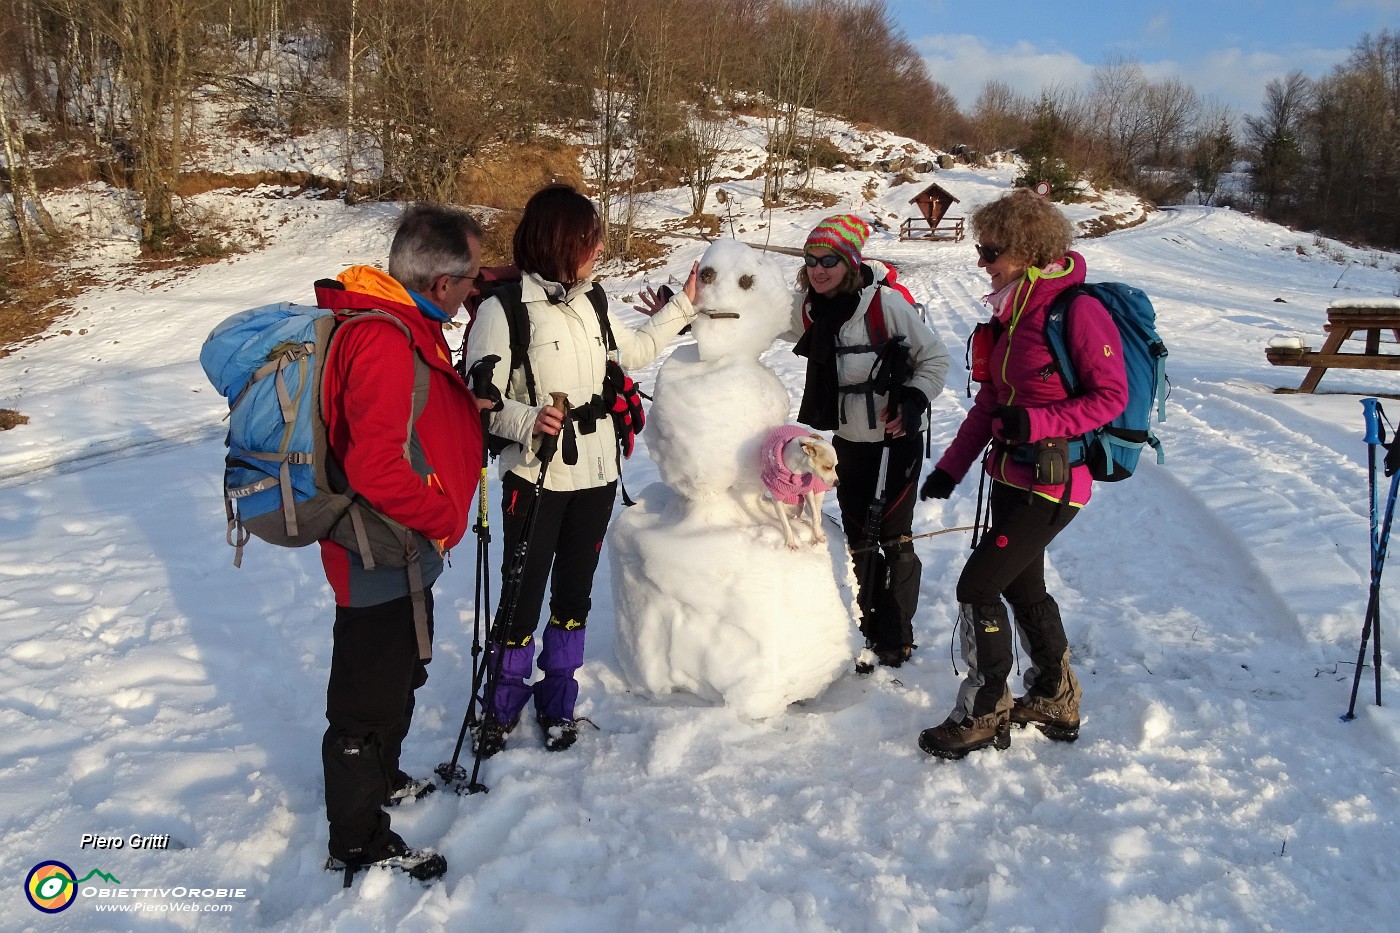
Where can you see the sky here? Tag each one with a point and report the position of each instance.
(1213, 604)
(1225, 50)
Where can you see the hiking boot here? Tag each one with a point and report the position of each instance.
(559, 734)
(893, 655)
(1053, 719)
(409, 788)
(490, 737)
(955, 738)
(419, 864)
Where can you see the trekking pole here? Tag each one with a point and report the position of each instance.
(1379, 543)
(483, 388)
(510, 586)
(891, 379)
(874, 518)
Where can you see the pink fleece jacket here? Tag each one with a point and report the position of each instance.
(784, 485)
(1023, 373)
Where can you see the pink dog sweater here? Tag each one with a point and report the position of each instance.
(784, 485)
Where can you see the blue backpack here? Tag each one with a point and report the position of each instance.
(281, 483)
(1112, 450)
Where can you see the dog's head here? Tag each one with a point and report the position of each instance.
(812, 453)
(743, 303)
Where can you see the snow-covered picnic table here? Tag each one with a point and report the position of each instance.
(1365, 318)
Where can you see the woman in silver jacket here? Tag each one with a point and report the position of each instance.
(866, 346)
(556, 245)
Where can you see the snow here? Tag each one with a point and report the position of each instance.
(1387, 304)
(1214, 606)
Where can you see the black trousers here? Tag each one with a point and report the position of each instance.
(369, 707)
(889, 575)
(563, 551)
(1009, 561)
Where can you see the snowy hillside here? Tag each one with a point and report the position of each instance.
(1214, 606)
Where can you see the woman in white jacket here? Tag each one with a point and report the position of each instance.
(856, 333)
(556, 245)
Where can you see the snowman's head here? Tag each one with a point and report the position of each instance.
(743, 303)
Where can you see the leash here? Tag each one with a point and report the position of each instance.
(905, 539)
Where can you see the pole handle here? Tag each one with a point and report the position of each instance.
(1373, 421)
(549, 443)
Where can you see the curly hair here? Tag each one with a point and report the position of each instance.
(1024, 225)
(557, 232)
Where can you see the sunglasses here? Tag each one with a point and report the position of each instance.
(989, 254)
(829, 261)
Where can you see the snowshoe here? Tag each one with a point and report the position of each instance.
(407, 788)
(954, 739)
(884, 655)
(419, 864)
(490, 737)
(559, 734)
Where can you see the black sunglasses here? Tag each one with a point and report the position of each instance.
(829, 261)
(989, 254)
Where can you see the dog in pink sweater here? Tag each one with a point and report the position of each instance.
(799, 468)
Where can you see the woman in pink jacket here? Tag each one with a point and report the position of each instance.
(1022, 408)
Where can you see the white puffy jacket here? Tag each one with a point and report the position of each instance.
(928, 359)
(567, 354)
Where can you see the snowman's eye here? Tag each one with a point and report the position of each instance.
(707, 275)
(746, 282)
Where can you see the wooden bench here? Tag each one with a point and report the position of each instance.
(1345, 320)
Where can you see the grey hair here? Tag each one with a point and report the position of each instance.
(431, 240)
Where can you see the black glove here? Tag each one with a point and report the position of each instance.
(1015, 423)
(939, 485)
(912, 406)
(480, 378)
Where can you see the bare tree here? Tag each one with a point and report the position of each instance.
(795, 52)
(999, 118)
(703, 140)
(353, 37)
(1170, 109)
(1276, 137)
(1213, 149)
(611, 154)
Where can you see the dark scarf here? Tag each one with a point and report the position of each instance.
(820, 408)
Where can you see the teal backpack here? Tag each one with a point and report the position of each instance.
(1112, 451)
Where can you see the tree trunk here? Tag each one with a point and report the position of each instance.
(12, 172)
(350, 108)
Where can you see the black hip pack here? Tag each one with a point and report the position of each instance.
(1048, 458)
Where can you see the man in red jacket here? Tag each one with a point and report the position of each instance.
(420, 473)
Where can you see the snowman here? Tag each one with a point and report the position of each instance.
(709, 599)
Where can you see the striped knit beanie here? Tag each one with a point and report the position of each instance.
(843, 234)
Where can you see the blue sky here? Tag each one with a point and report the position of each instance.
(1225, 49)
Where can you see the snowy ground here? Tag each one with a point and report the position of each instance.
(1214, 606)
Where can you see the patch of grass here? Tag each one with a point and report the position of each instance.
(498, 234)
(33, 294)
(1107, 223)
(505, 176)
(810, 197)
(9, 418)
